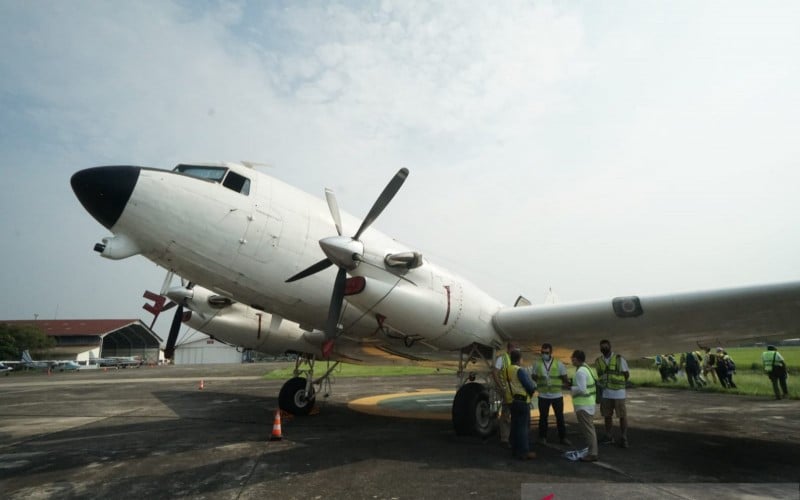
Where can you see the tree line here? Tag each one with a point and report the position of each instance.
(16, 338)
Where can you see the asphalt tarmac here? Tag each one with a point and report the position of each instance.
(152, 433)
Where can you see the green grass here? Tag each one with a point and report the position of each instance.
(750, 379)
(351, 370)
(749, 358)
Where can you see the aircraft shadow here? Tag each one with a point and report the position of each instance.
(219, 441)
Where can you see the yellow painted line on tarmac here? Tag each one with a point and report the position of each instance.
(372, 405)
(424, 404)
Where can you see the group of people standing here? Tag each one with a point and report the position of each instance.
(604, 383)
(608, 378)
(701, 367)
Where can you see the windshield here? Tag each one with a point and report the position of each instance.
(213, 174)
(233, 181)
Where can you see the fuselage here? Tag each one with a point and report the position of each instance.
(241, 234)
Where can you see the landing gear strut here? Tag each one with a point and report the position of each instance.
(476, 404)
(299, 393)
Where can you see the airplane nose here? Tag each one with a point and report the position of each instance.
(104, 191)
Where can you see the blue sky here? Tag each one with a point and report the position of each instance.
(600, 149)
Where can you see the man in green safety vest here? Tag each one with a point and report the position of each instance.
(613, 374)
(550, 376)
(500, 376)
(584, 391)
(775, 368)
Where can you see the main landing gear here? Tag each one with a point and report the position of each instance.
(476, 404)
(299, 394)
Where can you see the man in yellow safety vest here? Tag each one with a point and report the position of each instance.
(613, 374)
(550, 376)
(522, 388)
(775, 368)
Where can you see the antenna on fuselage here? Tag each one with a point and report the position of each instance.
(551, 297)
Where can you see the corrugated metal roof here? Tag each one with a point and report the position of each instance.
(67, 327)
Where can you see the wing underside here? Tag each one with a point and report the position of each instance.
(650, 324)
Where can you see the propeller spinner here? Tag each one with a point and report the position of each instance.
(346, 252)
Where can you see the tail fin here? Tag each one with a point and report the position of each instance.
(26, 357)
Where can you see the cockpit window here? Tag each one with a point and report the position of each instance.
(213, 174)
(238, 183)
(233, 181)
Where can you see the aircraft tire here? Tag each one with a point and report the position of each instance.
(472, 411)
(293, 399)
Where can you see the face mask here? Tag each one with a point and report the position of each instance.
(546, 357)
(606, 351)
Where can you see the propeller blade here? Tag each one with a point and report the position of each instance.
(313, 268)
(169, 350)
(383, 200)
(337, 298)
(334, 208)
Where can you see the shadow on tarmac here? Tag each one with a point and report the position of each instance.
(216, 442)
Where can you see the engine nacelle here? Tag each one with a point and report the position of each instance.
(444, 313)
(242, 325)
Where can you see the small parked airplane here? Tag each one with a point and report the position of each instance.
(115, 361)
(254, 243)
(67, 366)
(28, 363)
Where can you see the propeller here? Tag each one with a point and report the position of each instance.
(346, 252)
(174, 329)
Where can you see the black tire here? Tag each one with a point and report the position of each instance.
(472, 411)
(293, 398)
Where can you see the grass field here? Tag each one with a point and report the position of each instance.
(749, 378)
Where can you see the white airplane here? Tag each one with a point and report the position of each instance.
(278, 266)
(67, 366)
(115, 361)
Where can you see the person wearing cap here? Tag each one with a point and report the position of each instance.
(775, 368)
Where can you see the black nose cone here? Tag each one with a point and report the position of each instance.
(104, 191)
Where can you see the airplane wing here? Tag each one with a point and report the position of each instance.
(649, 324)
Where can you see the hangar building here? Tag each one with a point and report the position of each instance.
(84, 339)
(206, 351)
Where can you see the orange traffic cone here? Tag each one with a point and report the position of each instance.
(277, 434)
(202, 385)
